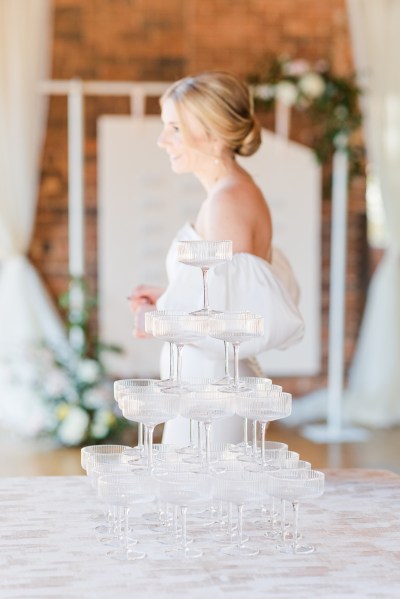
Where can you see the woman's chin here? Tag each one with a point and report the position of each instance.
(178, 169)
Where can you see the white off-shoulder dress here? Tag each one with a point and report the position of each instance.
(245, 283)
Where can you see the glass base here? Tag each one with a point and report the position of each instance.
(228, 539)
(98, 517)
(165, 382)
(296, 549)
(272, 534)
(102, 529)
(246, 457)
(240, 551)
(289, 535)
(238, 388)
(135, 454)
(243, 448)
(194, 458)
(191, 450)
(261, 467)
(126, 555)
(169, 539)
(185, 552)
(266, 524)
(226, 381)
(205, 312)
(117, 542)
(177, 388)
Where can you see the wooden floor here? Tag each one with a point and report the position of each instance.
(381, 451)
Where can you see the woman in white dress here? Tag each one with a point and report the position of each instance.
(207, 121)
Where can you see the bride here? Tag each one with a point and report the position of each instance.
(208, 120)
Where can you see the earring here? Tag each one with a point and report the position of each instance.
(216, 161)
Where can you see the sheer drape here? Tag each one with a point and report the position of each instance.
(26, 313)
(374, 387)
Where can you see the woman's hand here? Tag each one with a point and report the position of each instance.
(143, 299)
(148, 294)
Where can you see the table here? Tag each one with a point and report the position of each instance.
(48, 548)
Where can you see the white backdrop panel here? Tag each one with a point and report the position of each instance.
(141, 206)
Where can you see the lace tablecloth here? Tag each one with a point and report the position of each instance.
(48, 548)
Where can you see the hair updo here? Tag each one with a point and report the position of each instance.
(224, 106)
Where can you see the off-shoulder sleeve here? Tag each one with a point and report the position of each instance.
(245, 283)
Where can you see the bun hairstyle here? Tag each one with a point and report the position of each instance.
(224, 106)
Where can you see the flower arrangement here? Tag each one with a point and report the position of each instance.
(71, 395)
(332, 103)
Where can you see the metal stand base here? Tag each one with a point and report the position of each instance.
(323, 433)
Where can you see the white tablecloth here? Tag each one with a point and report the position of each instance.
(48, 548)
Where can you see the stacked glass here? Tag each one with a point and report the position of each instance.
(180, 482)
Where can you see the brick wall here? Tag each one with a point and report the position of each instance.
(164, 40)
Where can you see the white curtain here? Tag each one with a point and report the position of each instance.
(373, 397)
(26, 313)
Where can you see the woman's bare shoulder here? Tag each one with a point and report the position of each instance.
(241, 199)
(237, 210)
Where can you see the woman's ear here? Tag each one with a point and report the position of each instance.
(218, 146)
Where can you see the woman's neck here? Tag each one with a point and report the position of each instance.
(211, 175)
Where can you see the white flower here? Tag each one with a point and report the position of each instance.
(312, 85)
(73, 427)
(264, 91)
(340, 141)
(98, 397)
(102, 422)
(88, 371)
(55, 383)
(295, 67)
(71, 395)
(286, 92)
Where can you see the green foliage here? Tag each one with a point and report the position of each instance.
(330, 101)
(72, 381)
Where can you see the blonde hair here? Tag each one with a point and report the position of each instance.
(223, 105)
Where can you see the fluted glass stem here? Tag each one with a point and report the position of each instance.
(206, 304)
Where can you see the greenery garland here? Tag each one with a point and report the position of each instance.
(331, 102)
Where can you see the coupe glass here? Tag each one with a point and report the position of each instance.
(150, 408)
(204, 403)
(123, 386)
(89, 450)
(172, 531)
(240, 487)
(264, 406)
(111, 530)
(110, 461)
(274, 450)
(257, 384)
(289, 464)
(287, 459)
(236, 328)
(183, 489)
(124, 491)
(180, 328)
(204, 254)
(227, 379)
(295, 485)
(149, 319)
